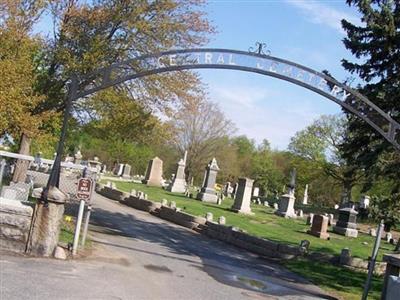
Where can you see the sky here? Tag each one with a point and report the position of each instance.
(303, 31)
(307, 32)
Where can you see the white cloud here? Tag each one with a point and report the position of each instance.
(319, 13)
(262, 113)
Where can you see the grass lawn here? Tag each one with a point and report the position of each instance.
(342, 282)
(67, 233)
(264, 223)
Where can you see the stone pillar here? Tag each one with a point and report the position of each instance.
(154, 172)
(179, 183)
(347, 222)
(207, 192)
(243, 196)
(46, 224)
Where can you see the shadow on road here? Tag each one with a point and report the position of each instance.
(221, 261)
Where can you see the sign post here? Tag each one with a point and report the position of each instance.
(84, 194)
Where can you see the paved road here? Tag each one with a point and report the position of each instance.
(138, 256)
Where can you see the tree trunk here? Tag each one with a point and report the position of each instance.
(21, 166)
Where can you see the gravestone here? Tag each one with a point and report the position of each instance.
(228, 189)
(310, 219)
(243, 196)
(304, 246)
(346, 224)
(235, 187)
(331, 218)
(178, 184)
(319, 227)
(207, 192)
(172, 205)
(120, 170)
(154, 172)
(286, 202)
(276, 206)
(286, 206)
(388, 237)
(164, 202)
(209, 217)
(78, 157)
(127, 171)
(133, 192)
(256, 191)
(364, 202)
(305, 197)
(221, 220)
(300, 213)
(372, 232)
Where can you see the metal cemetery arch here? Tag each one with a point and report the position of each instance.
(176, 60)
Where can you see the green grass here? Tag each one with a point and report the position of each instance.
(67, 234)
(264, 223)
(342, 282)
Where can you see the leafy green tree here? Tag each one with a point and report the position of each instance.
(386, 208)
(19, 56)
(321, 143)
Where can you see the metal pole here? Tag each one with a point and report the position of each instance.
(86, 225)
(78, 227)
(2, 166)
(54, 178)
(372, 261)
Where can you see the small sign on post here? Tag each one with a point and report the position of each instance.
(84, 194)
(85, 188)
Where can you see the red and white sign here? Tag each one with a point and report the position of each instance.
(85, 187)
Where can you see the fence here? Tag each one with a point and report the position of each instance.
(37, 175)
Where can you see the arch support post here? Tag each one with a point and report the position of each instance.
(49, 209)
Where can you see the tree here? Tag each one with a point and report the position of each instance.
(386, 208)
(376, 45)
(93, 34)
(199, 127)
(18, 73)
(321, 142)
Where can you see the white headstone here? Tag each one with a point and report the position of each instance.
(305, 197)
(209, 217)
(388, 237)
(364, 202)
(221, 220)
(256, 191)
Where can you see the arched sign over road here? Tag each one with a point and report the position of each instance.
(184, 59)
(176, 60)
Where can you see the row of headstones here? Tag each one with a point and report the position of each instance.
(346, 224)
(123, 170)
(138, 194)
